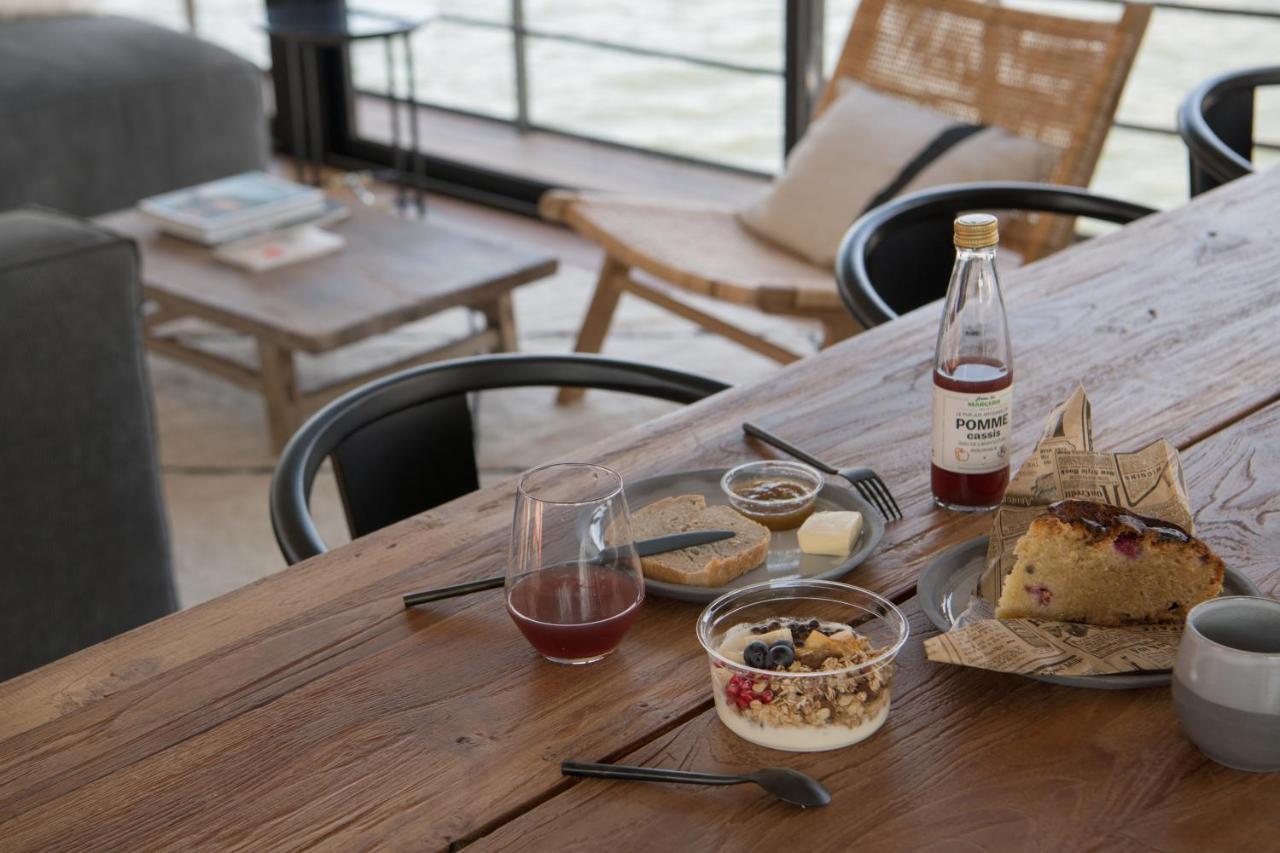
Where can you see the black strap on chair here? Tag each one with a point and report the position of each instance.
(939, 145)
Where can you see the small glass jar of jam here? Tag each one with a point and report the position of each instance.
(780, 495)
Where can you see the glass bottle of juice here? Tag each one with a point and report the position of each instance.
(972, 377)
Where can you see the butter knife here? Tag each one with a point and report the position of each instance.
(644, 548)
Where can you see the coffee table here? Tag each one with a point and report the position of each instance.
(391, 272)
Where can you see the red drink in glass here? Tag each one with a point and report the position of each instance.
(575, 611)
(572, 597)
(977, 489)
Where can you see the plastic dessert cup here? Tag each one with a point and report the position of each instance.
(839, 703)
(775, 513)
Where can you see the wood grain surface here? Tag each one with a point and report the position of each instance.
(977, 760)
(309, 708)
(391, 271)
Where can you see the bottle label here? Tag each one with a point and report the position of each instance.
(971, 431)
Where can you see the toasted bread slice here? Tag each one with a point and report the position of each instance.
(701, 565)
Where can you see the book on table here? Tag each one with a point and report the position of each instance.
(234, 207)
(264, 252)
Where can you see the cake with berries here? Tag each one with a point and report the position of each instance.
(1091, 562)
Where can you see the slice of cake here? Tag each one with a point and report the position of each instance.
(1090, 562)
(714, 564)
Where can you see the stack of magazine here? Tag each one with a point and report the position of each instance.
(256, 220)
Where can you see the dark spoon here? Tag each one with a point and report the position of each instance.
(790, 786)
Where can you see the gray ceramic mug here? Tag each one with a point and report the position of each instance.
(1226, 681)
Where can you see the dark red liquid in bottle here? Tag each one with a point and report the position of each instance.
(575, 612)
(971, 490)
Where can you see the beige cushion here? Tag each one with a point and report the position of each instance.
(858, 147)
(704, 250)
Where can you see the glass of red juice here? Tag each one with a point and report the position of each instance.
(572, 595)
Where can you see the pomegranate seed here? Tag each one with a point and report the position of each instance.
(1043, 595)
(766, 697)
(1129, 545)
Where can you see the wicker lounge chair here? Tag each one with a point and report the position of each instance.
(1052, 78)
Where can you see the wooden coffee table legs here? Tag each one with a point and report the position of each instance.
(288, 405)
(279, 384)
(276, 378)
(501, 317)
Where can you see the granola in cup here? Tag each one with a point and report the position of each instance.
(802, 665)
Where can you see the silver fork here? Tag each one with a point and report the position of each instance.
(866, 481)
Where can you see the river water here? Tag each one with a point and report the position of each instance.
(733, 117)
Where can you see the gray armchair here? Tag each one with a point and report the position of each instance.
(99, 112)
(84, 550)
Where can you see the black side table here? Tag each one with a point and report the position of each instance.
(302, 31)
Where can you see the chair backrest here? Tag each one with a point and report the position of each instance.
(1046, 77)
(84, 547)
(402, 444)
(899, 256)
(1216, 122)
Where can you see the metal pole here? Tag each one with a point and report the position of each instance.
(520, 64)
(312, 86)
(297, 106)
(396, 150)
(415, 150)
(189, 7)
(803, 78)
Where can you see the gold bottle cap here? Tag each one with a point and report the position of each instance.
(976, 231)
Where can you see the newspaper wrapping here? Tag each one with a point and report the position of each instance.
(1064, 465)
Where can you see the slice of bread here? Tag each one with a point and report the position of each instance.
(701, 565)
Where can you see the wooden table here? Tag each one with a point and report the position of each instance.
(392, 271)
(310, 709)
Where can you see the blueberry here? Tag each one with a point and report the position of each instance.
(756, 655)
(781, 655)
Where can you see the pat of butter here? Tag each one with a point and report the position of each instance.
(830, 533)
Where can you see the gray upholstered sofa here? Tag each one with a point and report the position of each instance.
(84, 551)
(97, 112)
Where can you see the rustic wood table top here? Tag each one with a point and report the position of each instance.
(311, 709)
(390, 272)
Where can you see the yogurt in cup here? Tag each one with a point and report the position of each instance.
(802, 665)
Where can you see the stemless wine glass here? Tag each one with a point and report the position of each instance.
(573, 580)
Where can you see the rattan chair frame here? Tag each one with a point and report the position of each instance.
(1044, 76)
(1083, 63)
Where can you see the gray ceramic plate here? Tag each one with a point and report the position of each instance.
(946, 583)
(785, 558)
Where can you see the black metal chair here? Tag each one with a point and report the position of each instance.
(1216, 122)
(403, 444)
(898, 256)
